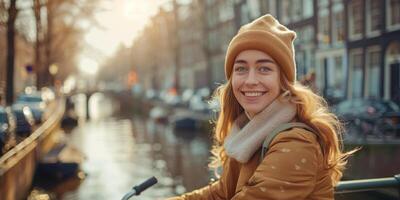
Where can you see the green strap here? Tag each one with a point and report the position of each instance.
(278, 130)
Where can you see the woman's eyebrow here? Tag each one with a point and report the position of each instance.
(240, 61)
(265, 61)
(258, 61)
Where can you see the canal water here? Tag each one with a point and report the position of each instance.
(121, 152)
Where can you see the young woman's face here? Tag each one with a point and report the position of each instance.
(255, 80)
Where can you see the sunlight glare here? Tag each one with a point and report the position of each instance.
(122, 21)
(88, 66)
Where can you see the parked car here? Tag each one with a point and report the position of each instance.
(7, 128)
(36, 103)
(369, 116)
(24, 118)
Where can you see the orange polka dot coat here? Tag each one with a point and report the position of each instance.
(291, 169)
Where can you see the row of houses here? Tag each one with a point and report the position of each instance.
(351, 47)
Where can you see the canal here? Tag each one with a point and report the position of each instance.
(123, 150)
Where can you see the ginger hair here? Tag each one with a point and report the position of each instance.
(312, 110)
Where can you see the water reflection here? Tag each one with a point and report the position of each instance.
(374, 161)
(114, 160)
(97, 101)
(186, 155)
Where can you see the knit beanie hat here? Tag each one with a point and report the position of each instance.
(268, 35)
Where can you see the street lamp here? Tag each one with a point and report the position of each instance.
(53, 70)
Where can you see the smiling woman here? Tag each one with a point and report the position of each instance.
(274, 138)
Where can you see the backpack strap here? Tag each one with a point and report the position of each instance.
(278, 130)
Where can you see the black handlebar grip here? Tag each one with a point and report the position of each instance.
(148, 183)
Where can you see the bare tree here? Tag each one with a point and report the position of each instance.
(58, 34)
(3, 11)
(59, 30)
(12, 16)
(37, 7)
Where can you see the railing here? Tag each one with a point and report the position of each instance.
(17, 166)
(368, 184)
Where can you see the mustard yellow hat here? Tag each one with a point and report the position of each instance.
(268, 35)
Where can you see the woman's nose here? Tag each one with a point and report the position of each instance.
(251, 79)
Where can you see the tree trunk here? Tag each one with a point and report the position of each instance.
(12, 16)
(37, 66)
(177, 48)
(49, 60)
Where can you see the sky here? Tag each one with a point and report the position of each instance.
(122, 21)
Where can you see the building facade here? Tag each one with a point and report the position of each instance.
(302, 17)
(373, 49)
(330, 56)
(220, 28)
(192, 38)
(154, 54)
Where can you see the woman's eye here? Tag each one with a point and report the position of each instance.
(264, 69)
(240, 69)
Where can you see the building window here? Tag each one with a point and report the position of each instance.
(210, 2)
(323, 28)
(339, 74)
(254, 8)
(212, 37)
(374, 23)
(212, 16)
(226, 11)
(264, 6)
(338, 24)
(244, 14)
(320, 74)
(299, 39)
(300, 63)
(295, 11)
(308, 8)
(373, 72)
(271, 7)
(308, 59)
(323, 3)
(217, 71)
(356, 19)
(285, 14)
(393, 14)
(308, 34)
(356, 73)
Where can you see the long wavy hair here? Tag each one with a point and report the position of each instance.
(312, 110)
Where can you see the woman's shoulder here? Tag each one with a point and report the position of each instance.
(296, 135)
(298, 143)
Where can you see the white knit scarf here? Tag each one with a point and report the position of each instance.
(246, 137)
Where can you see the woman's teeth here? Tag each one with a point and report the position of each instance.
(253, 94)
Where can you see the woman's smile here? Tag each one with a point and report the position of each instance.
(252, 93)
